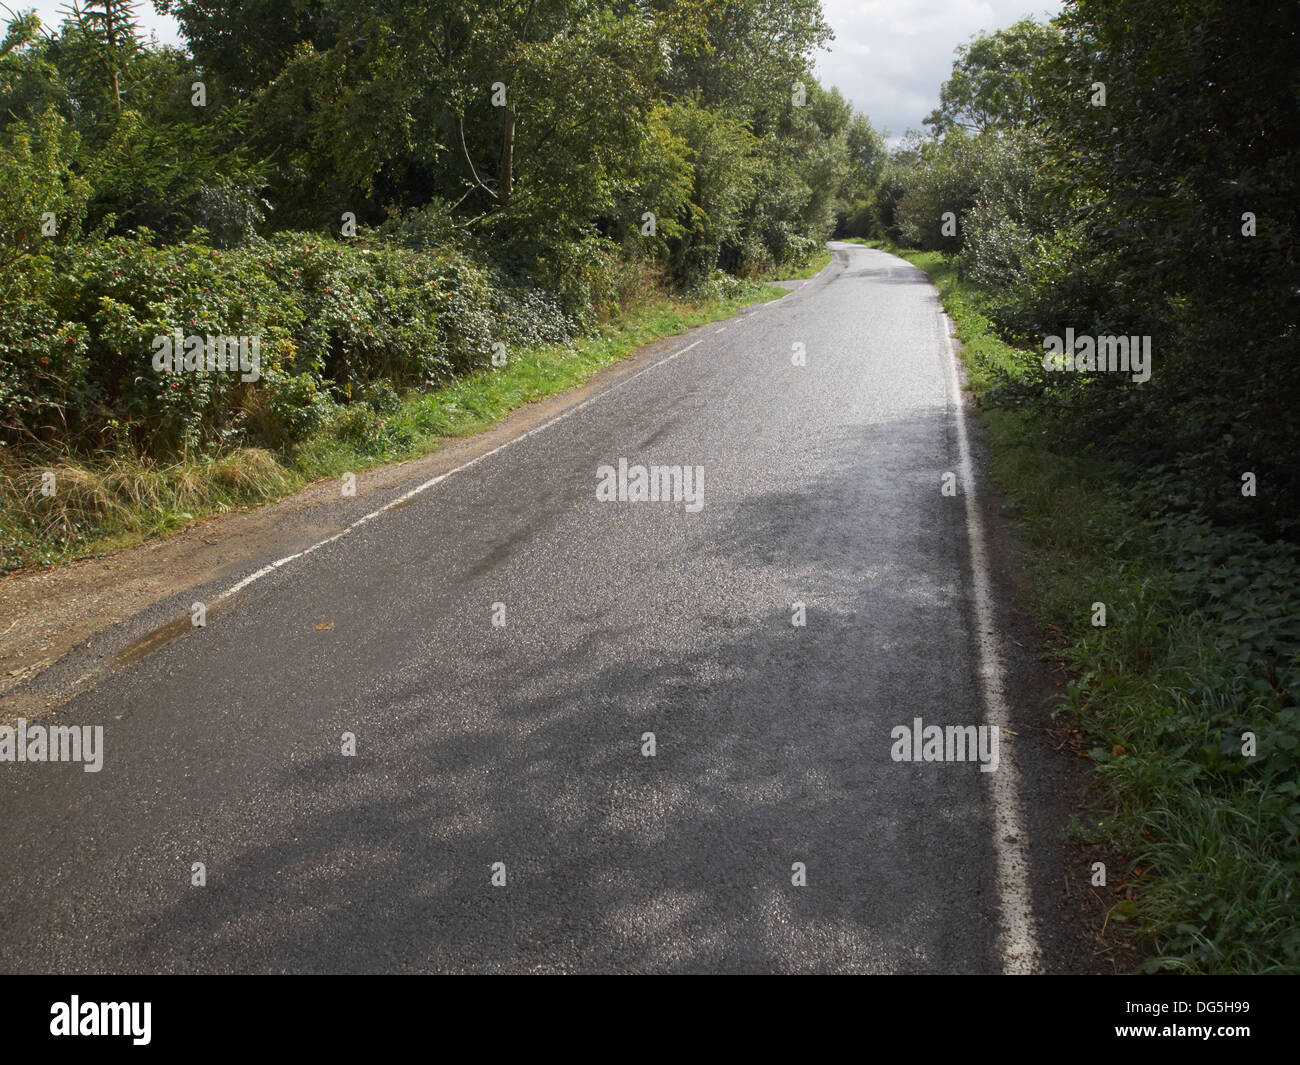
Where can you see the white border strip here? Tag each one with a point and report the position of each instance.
(1017, 938)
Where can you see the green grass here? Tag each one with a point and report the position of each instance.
(1199, 648)
(115, 501)
(815, 265)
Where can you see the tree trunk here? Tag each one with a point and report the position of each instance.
(506, 172)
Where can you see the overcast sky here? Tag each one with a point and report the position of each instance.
(889, 57)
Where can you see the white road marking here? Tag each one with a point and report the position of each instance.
(1017, 938)
(235, 589)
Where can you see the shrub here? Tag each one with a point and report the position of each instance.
(335, 322)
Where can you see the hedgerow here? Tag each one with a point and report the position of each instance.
(78, 338)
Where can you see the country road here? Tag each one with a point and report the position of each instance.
(523, 743)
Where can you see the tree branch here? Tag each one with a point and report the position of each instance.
(460, 127)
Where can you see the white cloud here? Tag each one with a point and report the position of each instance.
(889, 57)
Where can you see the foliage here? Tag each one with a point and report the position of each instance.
(1170, 211)
(331, 318)
(998, 80)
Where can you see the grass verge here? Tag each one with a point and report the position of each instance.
(815, 265)
(113, 501)
(1187, 692)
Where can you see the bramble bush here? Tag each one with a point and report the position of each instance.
(334, 320)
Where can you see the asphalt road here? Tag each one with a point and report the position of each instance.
(480, 744)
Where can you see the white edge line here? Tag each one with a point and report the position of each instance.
(1017, 938)
(235, 589)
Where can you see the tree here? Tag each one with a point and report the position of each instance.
(1196, 148)
(867, 159)
(243, 46)
(741, 54)
(721, 151)
(106, 37)
(997, 80)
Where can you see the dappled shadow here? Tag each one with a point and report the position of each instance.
(772, 748)
(523, 746)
